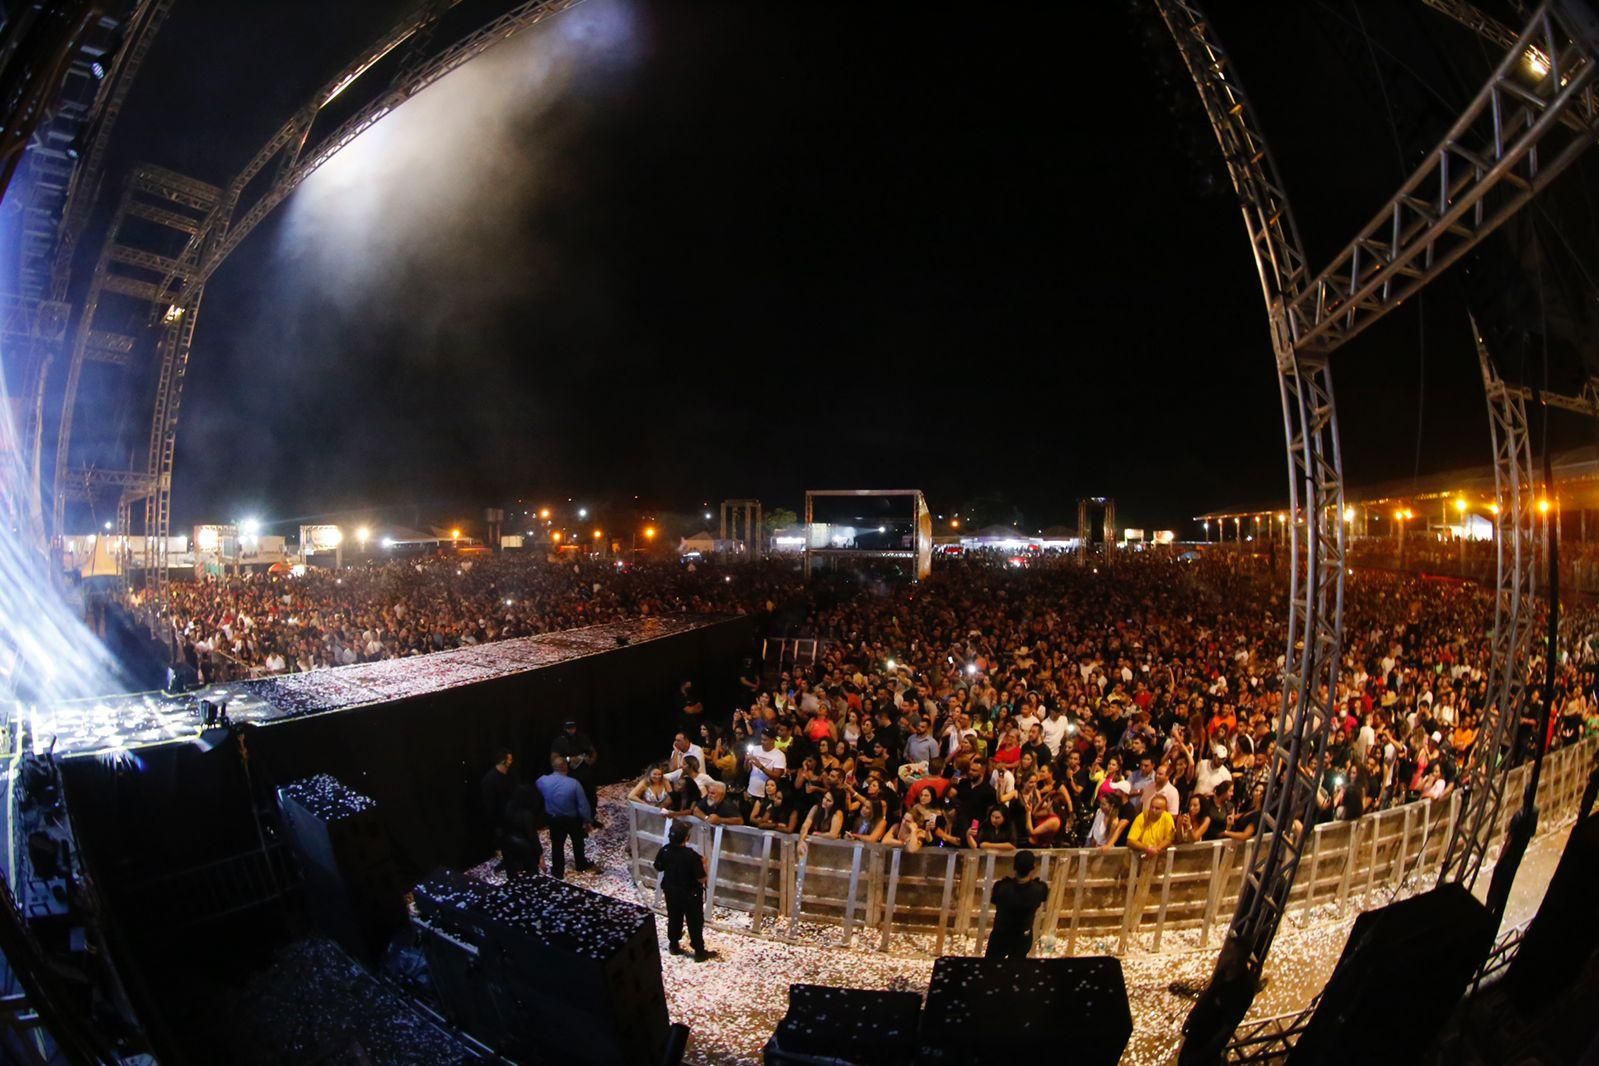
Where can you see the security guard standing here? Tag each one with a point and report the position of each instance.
(580, 759)
(683, 883)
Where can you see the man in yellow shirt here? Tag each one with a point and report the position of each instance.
(1153, 831)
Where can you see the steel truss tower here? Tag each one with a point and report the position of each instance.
(1518, 134)
(152, 249)
(1514, 632)
(212, 221)
(56, 182)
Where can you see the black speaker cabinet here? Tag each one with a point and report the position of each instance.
(543, 971)
(1007, 1011)
(845, 1027)
(352, 885)
(1563, 935)
(1403, 970)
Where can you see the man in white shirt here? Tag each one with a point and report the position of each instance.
(1161, 786)
(767, 762)
(681, 746)
(1055, 728)
(1211, 771)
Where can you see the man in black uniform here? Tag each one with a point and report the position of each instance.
(495, 792)
(1016, 900)
(580, 760)
(683, 883)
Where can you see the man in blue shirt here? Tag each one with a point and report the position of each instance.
(569, 815)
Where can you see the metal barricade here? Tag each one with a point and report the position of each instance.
(936, 900)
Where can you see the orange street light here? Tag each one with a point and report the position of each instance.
(598, 534)
(544, 512)
(649, 532)
(455, 534)
(954, 523)
(556, 536)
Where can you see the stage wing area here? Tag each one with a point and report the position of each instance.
(415, 734)
(107, 726)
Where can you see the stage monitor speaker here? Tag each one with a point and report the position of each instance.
(549, 972)
(998, 1012)
(1562, 936)
(845, 1027)
(1401, 973)
(353, 887)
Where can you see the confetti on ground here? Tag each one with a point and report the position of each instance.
(732, 1003)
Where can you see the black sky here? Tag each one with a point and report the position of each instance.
(757, 248)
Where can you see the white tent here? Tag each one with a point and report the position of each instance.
(701, 542)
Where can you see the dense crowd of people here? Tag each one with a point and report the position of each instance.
(259, 624)
(1133, 705)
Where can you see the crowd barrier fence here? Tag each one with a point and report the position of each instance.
(937, 899)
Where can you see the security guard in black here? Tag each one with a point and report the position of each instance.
(682, 872)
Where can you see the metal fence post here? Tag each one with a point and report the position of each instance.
(1165, 898)
(889, 893)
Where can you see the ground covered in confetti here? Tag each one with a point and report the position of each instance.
(731, 1004)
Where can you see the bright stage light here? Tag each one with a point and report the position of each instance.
(1349, 514)
(1537, 62)
(388, 542)
(250, 526)
(1460, 505)
(108, 527)
(361, 534)
(582, 512)
(1544, 505)
(891, 664)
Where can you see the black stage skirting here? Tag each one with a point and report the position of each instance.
(169, 807)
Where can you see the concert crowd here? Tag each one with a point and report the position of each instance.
(1133, 705)
(259, 624)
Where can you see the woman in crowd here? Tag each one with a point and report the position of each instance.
(826, 819)
(996, 832)
(869, 823)
(1042, 822)
(774, 810)
(1194, 823)
(653, 789)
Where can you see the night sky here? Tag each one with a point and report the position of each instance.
(688, 251)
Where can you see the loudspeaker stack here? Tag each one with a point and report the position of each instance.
(353, 887)
(543, 971)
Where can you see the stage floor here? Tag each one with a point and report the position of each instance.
(125, 723)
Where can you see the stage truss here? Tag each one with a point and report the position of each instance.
(1520, 132)
(398, 65)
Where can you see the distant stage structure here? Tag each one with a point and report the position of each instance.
(834, 542)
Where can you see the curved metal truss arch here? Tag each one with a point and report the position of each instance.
(1514, 632)
(170, 285)
(1315, 486)
(1526, 126)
